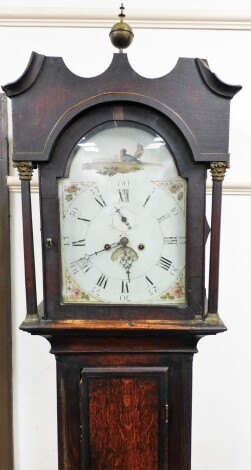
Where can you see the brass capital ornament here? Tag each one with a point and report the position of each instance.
(25, 170)
(218, 170)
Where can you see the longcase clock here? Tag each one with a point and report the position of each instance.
(122, 164)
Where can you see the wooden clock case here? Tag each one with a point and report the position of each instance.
(124, 373)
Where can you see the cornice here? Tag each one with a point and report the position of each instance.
(138, 18)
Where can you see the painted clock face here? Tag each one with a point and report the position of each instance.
(123, 220)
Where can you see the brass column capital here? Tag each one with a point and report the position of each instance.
(25, 170)
(218, 170)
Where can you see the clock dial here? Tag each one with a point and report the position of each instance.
(123, 231)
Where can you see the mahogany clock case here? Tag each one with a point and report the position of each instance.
(124, 372)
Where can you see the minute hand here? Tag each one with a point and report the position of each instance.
(107, 247)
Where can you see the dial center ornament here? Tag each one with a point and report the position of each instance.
(123, 223)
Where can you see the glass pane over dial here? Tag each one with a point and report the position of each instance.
(123, 220)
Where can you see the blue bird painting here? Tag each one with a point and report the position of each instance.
(127, 158)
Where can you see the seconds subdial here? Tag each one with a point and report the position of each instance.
(123, 219)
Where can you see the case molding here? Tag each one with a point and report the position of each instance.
(24, 17)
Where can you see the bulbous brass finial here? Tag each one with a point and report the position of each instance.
(121, 34)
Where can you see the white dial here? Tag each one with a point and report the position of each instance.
(123, 243)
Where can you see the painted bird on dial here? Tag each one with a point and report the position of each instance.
(127, 158)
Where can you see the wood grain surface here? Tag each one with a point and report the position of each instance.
(123, 424)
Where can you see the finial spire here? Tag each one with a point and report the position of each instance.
(122, 15)
(121, 34)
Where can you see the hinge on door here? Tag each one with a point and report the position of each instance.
(166, 413)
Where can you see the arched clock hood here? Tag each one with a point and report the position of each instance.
(48, 96)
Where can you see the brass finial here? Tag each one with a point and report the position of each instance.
(121, 34)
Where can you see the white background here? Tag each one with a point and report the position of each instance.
(222, 369)
(135, 4)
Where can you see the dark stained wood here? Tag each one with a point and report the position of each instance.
(215, 247)
(115, 409)
(29, 259)
(171, 331)
(68, 409)
(213, 81)
(89, 387)
(180, 412)
(57, 96)
(28, 77)
(6, 438)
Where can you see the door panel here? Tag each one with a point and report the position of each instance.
(124, 418)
